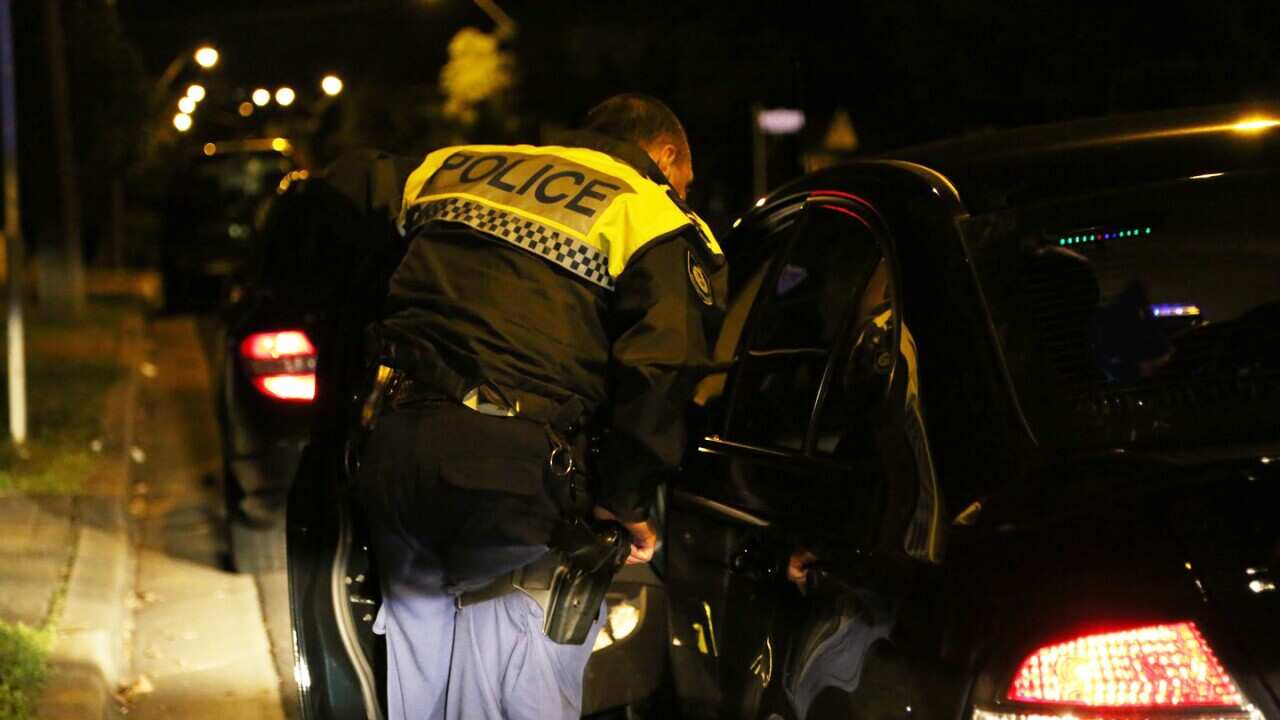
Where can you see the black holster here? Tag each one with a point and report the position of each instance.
(569, 582)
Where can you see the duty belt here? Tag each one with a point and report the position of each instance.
(425, 374)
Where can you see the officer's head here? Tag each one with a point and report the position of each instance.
(649, 123)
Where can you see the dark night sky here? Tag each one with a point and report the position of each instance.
(907, 71)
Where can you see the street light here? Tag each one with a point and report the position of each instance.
(246, 109)
(331, 84)
(187, 105)
(206, 57)
(182, 121)
(261, 97)
(196, 92)
(285, 96)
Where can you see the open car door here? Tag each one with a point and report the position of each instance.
(813, 448)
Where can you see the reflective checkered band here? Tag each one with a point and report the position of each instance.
(573, 255)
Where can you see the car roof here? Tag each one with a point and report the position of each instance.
(1011, 168)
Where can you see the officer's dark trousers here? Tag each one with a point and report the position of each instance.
(455, 498)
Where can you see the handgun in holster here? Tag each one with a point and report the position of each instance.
(570, 582)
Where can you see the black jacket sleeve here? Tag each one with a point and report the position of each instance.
(663, 328)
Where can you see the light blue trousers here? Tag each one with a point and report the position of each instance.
(488, 661)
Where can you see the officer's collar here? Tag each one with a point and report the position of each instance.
(627, 152)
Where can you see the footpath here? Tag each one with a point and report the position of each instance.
(114, 595)
(64, 554)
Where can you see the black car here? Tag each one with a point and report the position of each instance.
(213, 205)
(276, 316)
(1016, 397)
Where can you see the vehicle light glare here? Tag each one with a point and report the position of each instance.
(1256, 124)
(288, 387)
(623, 619)
(1157, 666)
(602, 641)
(1249, 713)
(301, 674)
(275, 345)
(1261, 586)
(1174, 310)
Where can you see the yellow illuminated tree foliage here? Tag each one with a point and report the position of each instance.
(477, 70)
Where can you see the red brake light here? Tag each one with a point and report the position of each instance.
(288, 387)
(275, 345)
(1159, 666)
(281, 364)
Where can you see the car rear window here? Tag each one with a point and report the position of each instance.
(1146, 317)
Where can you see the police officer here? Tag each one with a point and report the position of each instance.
(547, 291)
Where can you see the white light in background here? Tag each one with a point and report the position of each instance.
(331, 84)
(206, 57)
(780, 121)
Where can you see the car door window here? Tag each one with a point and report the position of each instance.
(800, 314)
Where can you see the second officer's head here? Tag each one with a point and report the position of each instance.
(649, 123)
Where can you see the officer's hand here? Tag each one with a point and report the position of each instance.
(644, 541)
(798, 568)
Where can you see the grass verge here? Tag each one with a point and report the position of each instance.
(71, 364)
(24, 655)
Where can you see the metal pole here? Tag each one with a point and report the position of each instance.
(15, 257)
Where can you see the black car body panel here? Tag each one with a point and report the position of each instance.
(263, 435)
(1065, 522)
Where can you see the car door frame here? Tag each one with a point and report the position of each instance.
(713, 445)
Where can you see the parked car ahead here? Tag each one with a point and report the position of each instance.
(1018, 397)
(279, 319)
(213, 207)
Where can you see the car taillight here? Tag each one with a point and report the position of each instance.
(281, 364)
(1115, 674)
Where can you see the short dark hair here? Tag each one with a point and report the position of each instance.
(637, 118)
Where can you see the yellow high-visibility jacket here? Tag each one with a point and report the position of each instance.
(563, 272)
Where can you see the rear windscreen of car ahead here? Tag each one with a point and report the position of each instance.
(1145, 317)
